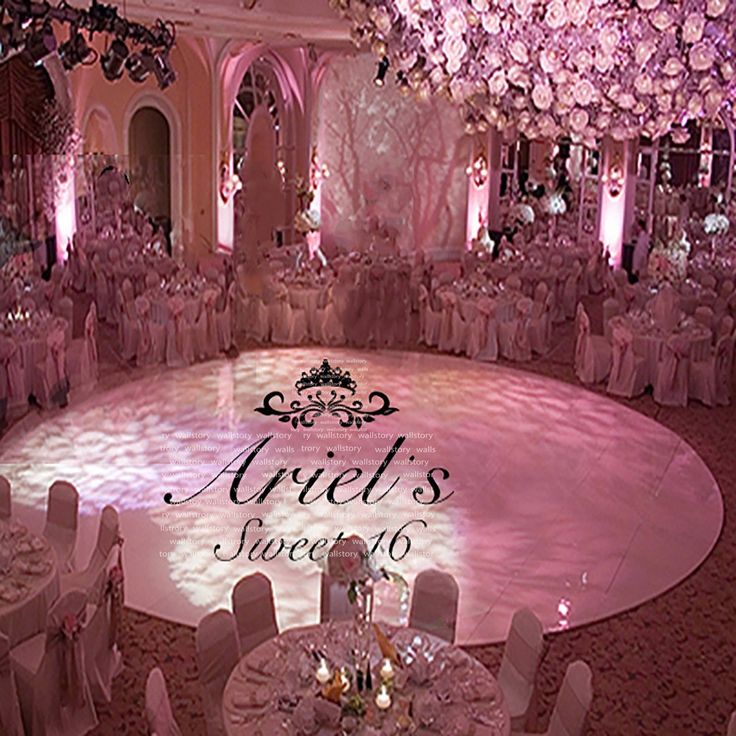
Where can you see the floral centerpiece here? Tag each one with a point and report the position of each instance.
(668, 261)
(716, 224)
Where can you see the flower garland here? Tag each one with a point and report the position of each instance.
(586, 68)
(716, 224)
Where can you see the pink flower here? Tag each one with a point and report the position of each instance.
(346, 561)
(518, 52)
(578, 10)
(579, 120)
(584, 92)
(491, 23)
(454, 49)
(692, 28)
(648, 4)
(556, 15)
(523, 7)
(497, 84)
(542, 96)
(714, 8)
(702, 57)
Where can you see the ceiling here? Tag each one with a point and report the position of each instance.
(269, 20)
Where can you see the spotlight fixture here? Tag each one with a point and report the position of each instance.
(113, 60)
(75, 51)
(139, 65)
(380, 79)
(165, 74)
(40, 44)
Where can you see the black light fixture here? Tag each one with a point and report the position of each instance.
(40, 44)
(113, 60)
(164, 71)
(380, 79)
(139, 65)
(75, 51)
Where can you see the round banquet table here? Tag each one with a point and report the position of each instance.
(29, 586)
(649, 341)
(273, 690)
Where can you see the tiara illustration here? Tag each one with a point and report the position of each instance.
(326, 375)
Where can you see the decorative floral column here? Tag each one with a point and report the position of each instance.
(479, 185)
(614, 197)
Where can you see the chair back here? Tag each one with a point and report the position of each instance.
(334, 604)
(732, 725)
(255, 612)
(523, 649)
(62, 510)
(5, 498)
(217, 655)
(573, 702)
(159, 716)
(434, 604)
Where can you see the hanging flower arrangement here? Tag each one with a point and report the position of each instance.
(585, 68)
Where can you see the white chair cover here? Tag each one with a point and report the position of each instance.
(255, 612)
(665, 308)
(52, 684)
(673, 370)
(611, 308)
(13, 387)
(540, 325)
(61, 522)
(489, 351)
(159, 717)
(5, 499)
(64, 308)
(711, 380)
(11, 723)
(521, 657)
(704, 316)
(732, 725)
(256, 319)
(83, 358)
(434, 604)
(51, 384)
(224, 319)
(331, 327)
(217, 655)
(628, 370)
(571, 291)
(145, 352)
(179, 337)
(205, 329)
(573, 702)
(513, 336)
(592, 352)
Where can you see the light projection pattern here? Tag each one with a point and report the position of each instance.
(397, 168)
(559, 494)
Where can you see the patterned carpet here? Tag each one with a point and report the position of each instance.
(665, 668)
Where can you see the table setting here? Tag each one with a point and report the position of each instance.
(305, 682)
(29, 581)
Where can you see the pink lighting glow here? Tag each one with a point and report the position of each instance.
(66, 213)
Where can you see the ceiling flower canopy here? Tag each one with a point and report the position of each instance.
(545, 68)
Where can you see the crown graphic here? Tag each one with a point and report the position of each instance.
(326, 375)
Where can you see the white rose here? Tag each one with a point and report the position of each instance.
(661, 20)
(664, 103)
(626, 101)
(523, 7)
(549, 60)
(577, 11)
(579, 120)
(518, 77)
(455, 21)
(480, 5)
(609, 38)
(695, 106)
(518, 52)
(492, 58)
(542, 96)
(643, 84)
(702, 57)
(491, 23)
(603, 62)
(692, 28)
(584, 92)
(713, 101)
(714, 8)
(648, 4)
(644, 51)
(556, 16)
(728, 71)
(583, 60)
(497, 84)
(673, 67)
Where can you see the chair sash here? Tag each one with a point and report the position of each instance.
(63, 637)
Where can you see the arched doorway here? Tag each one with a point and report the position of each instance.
(150, 165)
(259, 160)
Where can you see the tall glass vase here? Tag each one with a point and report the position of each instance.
(362, 608)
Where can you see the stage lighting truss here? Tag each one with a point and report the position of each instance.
(30, 27)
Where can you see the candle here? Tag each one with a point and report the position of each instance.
(383, 699)
(387, 670)
(323, 673)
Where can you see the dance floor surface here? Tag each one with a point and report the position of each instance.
(555, 498)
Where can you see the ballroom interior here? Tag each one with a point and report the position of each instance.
(367, 367)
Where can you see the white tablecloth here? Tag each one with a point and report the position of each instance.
(443, 689)
(30, 586)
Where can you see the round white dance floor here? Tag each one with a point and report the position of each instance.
(556, 499)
